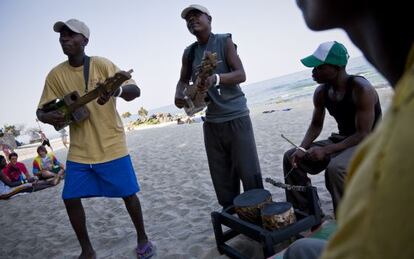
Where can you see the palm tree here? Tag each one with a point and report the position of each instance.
(126, 115)
(142, 112)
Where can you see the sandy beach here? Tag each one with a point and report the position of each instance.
(177, 195)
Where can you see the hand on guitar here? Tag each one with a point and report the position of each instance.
(104, 96)
(55, 117)
(180, 103)
(204, 85)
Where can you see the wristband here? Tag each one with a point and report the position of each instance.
(120, 92)
(217, 80)
(302, 149)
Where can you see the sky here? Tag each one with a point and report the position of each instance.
(149, 37)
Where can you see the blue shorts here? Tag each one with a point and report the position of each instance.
(114, 178)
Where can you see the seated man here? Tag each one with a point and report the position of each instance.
(9, 188)
(354, 104)
(16, 171)
(47, 166)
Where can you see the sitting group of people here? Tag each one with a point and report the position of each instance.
(15, 178)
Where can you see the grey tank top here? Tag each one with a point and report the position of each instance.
(230, 103)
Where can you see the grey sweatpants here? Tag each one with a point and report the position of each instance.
(335, 172)
(232, 156)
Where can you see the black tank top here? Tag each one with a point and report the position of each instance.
(344, 111)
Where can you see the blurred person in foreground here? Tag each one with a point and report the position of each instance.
(375, 216)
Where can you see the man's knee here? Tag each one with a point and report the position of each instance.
(288, 154)
(335, 172)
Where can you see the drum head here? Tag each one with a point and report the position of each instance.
(273, 208)
(251, 198)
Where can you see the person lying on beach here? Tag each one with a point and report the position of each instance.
(375, 217)
(15, 170)
(354, 104)
(46, 166)
(228, 133)
(10, 188)
(98, 163)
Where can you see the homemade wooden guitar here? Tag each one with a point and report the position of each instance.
(73, 105)
(197, 101)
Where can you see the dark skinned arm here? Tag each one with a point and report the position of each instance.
(129, 93)
(318, 118)
(51, 117)
(315, 126)
(236, 74)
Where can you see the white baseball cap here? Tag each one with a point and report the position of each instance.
(194, 7)
(74, 25)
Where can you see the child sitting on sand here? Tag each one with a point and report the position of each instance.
(46, 166)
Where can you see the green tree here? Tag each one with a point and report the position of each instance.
(126, 115)
(13, 129)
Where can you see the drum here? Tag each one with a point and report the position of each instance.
(277, 215)
(249, 204)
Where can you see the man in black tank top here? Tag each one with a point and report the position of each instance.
(354, 104)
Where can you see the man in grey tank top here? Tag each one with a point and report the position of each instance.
(228, 133)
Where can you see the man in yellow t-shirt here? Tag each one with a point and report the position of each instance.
(98, 162)
(375, 218)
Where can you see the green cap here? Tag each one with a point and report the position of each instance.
(331, 52)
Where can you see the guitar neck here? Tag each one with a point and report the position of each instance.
(92, 95)
(109, 86)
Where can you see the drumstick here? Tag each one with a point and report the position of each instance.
(296, 146)
(293, 144)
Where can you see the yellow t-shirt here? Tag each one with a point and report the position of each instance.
(375, 218)
(101, 137)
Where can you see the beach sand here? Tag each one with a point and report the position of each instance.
(176, 195)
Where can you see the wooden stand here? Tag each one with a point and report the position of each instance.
(265, 237)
